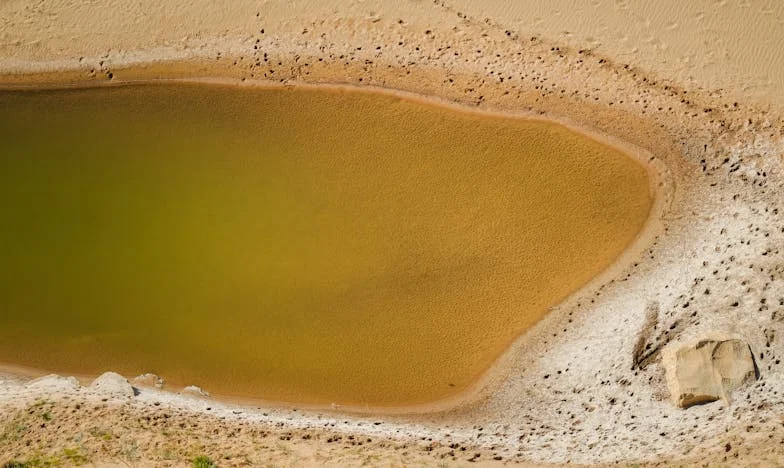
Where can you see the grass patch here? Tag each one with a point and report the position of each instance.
(102, 434)
(203, 461)
(16, 464)
(75, 456)
(14, 431)
(42, 460)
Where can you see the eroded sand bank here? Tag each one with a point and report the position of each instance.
(565, 391)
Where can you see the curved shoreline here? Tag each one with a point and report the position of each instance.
(480, 388)
(565, 391)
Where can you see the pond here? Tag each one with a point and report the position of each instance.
(293, 244)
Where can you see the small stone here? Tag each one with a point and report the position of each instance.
(112, 383)
(193, 390)
(149, 380)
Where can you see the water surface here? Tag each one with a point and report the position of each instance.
(291, 244)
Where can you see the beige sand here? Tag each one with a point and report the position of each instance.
(730, 45)
(734, 46)
(565, 392)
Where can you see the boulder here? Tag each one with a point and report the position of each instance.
(707, 369)
(112, 383)
(54, 383)
(149, 380)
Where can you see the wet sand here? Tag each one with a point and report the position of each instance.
(565, 391)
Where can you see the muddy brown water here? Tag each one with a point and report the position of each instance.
(301, 245)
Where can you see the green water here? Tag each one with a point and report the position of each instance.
(291, 244)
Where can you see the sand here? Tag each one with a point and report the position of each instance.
(732, 46)
(565, 391)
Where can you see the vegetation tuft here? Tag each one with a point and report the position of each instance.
(203, 461)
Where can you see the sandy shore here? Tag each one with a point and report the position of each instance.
(564, 392)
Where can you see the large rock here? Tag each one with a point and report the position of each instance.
(707, 370)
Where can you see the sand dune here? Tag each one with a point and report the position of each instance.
(698, 94)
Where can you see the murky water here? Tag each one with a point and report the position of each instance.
(298, 245)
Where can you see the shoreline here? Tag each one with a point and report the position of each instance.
(658, 178)
(567, 392)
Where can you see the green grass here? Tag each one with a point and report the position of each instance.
(203, 461)
(40, 460)
(15, 464)
(75, 456)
